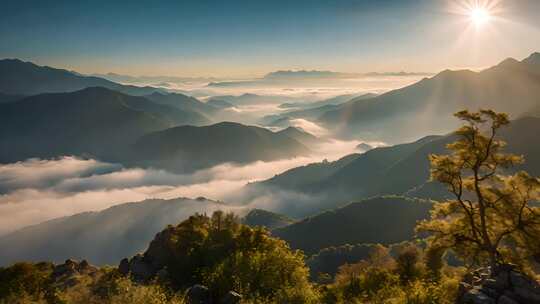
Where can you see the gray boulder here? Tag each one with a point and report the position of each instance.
(139, 267)
(198, 294)
(475, 296)
(503, 285)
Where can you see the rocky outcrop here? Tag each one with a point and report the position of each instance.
(73, 267)
(150, 265)
(140, 268)
(144, 267)
(68, 274)
(503, 285)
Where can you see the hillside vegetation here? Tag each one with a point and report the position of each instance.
(383, 220)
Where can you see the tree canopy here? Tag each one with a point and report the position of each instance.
(224, 255)
(492, 217)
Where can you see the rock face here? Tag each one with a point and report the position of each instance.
(152, 264)
(504, 285)
(143, 267)
(68, 274)
(72, 267)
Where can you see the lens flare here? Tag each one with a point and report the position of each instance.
(479, 15)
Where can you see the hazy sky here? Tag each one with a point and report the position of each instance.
(246, 38)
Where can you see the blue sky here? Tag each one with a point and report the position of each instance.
(246, 38)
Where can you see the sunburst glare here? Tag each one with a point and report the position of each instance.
(478, 12)
(479, 16)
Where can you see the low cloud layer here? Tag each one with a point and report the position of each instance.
(34, 191)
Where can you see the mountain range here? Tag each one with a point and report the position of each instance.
(106, 236)
(309, 110)
(46, 112)
(385, 220)
(102, 237)
(401, 170)
(94, 122)
(111, 126)
(187, 148)
(426, 107)
(249, 99)
(150, 79)
(25, 78)
(184, 103)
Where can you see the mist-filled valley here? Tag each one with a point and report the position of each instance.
(248, 151)
(311, 152)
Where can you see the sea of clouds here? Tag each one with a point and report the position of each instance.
(36, 190)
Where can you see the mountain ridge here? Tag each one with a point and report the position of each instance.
(426, 107)
(189, 147)
(19, 77)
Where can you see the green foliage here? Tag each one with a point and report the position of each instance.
(224, 255)
(383, 279)
(121, 291)
(408, 265)
(434, 261)
(26, 283)
(492, 218)
(324, 265)
(386, 220)
(25, 280)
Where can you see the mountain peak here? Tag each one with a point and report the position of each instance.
(446, 74)
(509, 62)
(14, 60)
(227, 124)
(534, 58)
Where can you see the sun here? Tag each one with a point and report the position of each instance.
(479, 15)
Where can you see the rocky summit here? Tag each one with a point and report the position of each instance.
(503, 285)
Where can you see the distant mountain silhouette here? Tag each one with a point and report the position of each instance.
(364, 147)
(426, 107)
(304, 74)
(150, 79)
(184, 103)
(220, 104)
(383, 220)
(309, 110)
(337, 100)
(284, 119)
(250, 99)
(315, 74)
(533, 59)
(96, 122)
(188, 148)
(263, 218)
(102, 237)
(301, 136)
(25, 78)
